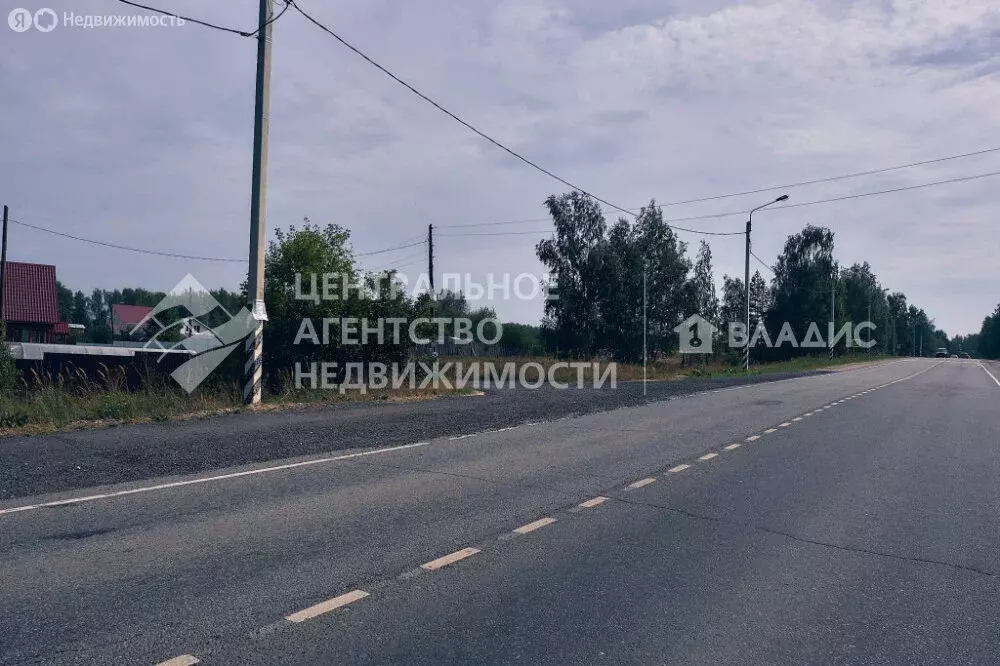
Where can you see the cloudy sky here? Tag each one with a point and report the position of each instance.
(142, 136)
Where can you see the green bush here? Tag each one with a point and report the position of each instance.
(13, 419)
(116, 407)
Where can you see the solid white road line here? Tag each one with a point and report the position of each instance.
(731, 447)
(207, 479)
(641, 482)
(183, 660)
(591, 503)
(995, 380)
(457, 556)
(679, 468)
(531, 527)
(708, 456)
(327, 606)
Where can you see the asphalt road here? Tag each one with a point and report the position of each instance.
(856, 522)
(85, 458)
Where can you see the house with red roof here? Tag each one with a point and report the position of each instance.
(30, 308)
(124, 318)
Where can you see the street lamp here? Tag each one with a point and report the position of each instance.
(746, 283)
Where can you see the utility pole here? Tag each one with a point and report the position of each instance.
(868, 350)
(746, 286)
(833, 308)
(644, 356)
(430, 258)
(3, 274)
(430, 272)
(746, 274)
(258, 206)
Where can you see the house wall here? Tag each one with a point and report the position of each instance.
(18, 332)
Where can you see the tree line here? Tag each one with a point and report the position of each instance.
(985, 343)
(600, 271)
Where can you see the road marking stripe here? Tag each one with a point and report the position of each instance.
(327, 606)
(591, 503)
(753, 438)
(207, 479)
(531, 527)
(679, 468)
(784, 425)
(995, 380)
(808, 414)
(797, 418)
(183, 660)
(770, 430)
(731, 447)
(641, 482)
(457, 556)
(708, 456)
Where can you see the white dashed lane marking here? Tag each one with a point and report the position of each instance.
(753, 438)
(731, 447)
(183, 660)
(531, 527)
(457, 556)
(591, 503)
(679, 468)
(797, 418)
(784, 425)
(770, 430)
(708, 456)
(641, 482)
(327, 606)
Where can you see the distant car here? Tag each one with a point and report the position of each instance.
(964, 355)
(941, 353)
(954, 355)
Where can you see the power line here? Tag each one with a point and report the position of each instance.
(451, 114)
(762, 262)
(389, 249)
(395, 262)
(767, 189)
(502, 233)
(126, 247)
(542, 231)
(241, 33)
(831, 179)
(175, 254)
(844, 198)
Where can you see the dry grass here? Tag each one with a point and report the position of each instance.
(46, 403)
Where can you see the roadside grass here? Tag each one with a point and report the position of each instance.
(70, 401)
(45, 403)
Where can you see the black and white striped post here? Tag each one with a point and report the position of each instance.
(253, 369)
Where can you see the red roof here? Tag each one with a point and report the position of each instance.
(29, 293)
(124, 317)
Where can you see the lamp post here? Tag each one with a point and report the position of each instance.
(746, 283)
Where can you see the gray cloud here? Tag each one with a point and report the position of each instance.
(142, 136)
